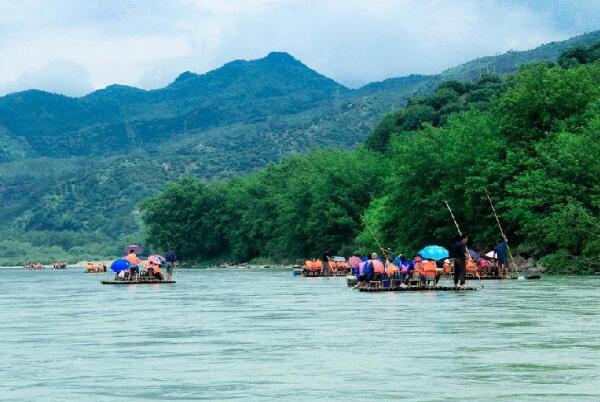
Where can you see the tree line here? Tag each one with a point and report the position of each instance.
(531, 139)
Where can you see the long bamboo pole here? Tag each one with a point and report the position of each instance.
(385, 254)
(501, 231)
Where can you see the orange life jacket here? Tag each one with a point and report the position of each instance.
(310, 265)
(392, 269)
(133, 259)
(429, 268)
(378, 266)
(471, 266)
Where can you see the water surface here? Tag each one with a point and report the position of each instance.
(265, 335)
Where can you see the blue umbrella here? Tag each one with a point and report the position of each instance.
(120, 265)
(434, 253)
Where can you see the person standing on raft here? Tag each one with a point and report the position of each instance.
(326, 263)
(501, 254)
(459, 253)
(171, 260)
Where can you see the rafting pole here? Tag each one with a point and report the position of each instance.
(503, 235)
(460, 234)
(385, 254)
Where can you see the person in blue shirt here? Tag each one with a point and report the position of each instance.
(171, 258)
(501, 254)
(404, 266)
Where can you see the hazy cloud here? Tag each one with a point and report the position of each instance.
(59, 76)
(148, 43)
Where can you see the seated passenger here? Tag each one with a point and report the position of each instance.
(392, 271)
(417, 274)
(430, 272)
(405, 272)
(153, 270)
(135, 264)
(378, 267)
(447, 268)
(354, 263)
(472, 268)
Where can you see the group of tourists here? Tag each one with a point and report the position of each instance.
(93, 267)
(328, 266)
(34, 266)
(461, 263)
(151, 268)
(405, 271)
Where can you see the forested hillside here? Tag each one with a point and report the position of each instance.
(530, 139)
(73, 170)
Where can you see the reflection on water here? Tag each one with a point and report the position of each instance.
(265, 335)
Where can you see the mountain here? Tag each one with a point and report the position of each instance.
(121, 117)
(72, 170)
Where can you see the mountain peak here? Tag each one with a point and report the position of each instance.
(281, 57)
(185, 76)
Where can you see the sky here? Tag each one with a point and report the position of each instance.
(76, 46)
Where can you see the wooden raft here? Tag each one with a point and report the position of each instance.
(145, 282)
(510, 278)
(415, 289)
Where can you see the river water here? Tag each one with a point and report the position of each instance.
(266, 335)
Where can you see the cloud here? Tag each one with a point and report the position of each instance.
(148, 43)
(59, 76)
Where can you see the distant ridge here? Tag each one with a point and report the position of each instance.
(510, 61)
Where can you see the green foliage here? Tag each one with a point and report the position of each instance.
(450, 97)
(543, 97)
(533, 149)
(580, 55)
(428, 168)
(303, 206)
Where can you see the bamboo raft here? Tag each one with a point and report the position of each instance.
(142, 282)
(319, 274)
(415, 289)
(509, 278)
